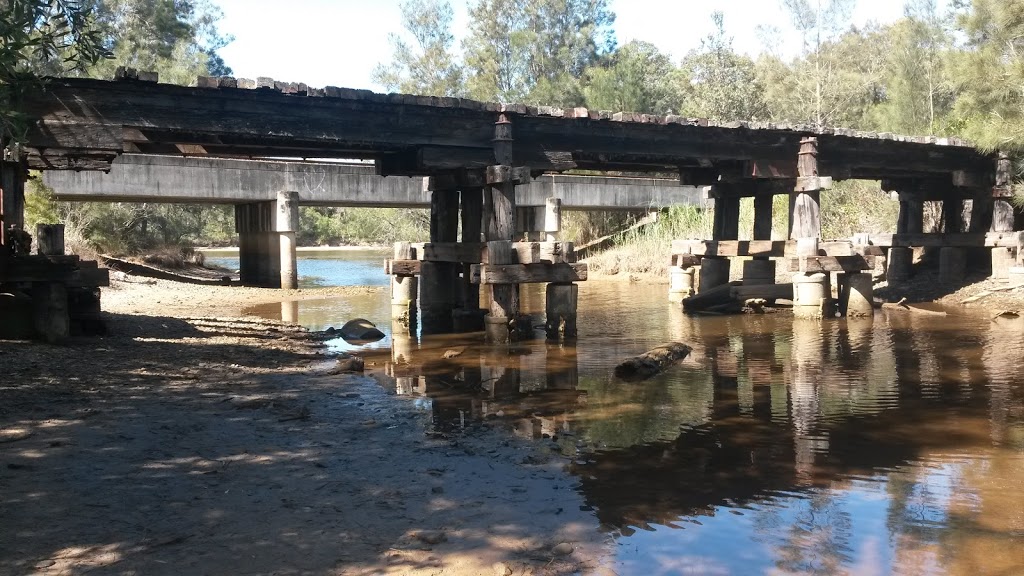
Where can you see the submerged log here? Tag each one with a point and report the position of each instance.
(650, 363)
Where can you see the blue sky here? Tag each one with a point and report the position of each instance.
(338, 42)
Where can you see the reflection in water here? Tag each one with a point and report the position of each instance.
(863, 446)
(885, 445)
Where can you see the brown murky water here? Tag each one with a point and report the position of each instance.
(892, 445)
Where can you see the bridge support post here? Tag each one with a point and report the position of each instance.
(502, 323)
(266, 242)
(911, 221)
(468, 317)
(952, 264)
(404, 290)
(560, 310)
(12, 199)
(715, 271)
(856, 294)
(1003, 218)
(439, 281)
(761, 269)
(286, 225)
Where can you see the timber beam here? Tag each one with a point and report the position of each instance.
(936, 240)
(420, 135)
(528, 273)
(756, 248)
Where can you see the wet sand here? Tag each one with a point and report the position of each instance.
(192, 441)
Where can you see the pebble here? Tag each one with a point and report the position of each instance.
(45, 563)
(501, 569)
(563, 549)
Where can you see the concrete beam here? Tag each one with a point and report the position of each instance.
(148, 178)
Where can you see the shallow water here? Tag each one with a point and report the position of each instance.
(892, 445)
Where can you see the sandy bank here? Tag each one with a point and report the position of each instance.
(191, 442)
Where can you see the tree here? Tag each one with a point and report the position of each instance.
(34, 34)
(916, 89)
(635, 78)
(833, 71)
(719, 83)
(836, 86)
(990, 73)
(178, 39)
(428, 67)
(536, 50)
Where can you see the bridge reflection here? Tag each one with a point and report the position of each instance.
(766, 411)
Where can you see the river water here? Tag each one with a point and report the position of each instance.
(892, 445)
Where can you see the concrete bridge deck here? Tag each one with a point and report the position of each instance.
(144, 178)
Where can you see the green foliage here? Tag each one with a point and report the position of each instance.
(535, 51)
(428, 67)
(719, 83)
(855, 206)
(36, 35)
(636, 78)
(990, 74)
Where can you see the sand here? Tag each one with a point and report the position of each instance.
(193, 441)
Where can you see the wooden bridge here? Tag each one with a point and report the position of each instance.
(477, 153)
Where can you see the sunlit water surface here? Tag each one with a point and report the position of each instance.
(885, 446)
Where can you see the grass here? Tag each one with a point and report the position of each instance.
(851, 207)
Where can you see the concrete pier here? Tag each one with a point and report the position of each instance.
(856, 294)
(811, 293)
(266, 242)
(681, 283)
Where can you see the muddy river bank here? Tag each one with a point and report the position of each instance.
(188, 441)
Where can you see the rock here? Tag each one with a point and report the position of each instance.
(437, 490)
(45, 564)
(431, 537)
(563, 549)
(454, 352)
(652, 362)
(360, 330)
(350, 364)
(501, 569)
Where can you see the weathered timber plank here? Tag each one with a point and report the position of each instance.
(464, 252)
(766, 291)
(762, 248)
(965, 240)
(402, 267)
(528, 273)
(831, 263)
(476, 252)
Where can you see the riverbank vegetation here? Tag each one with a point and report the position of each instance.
(943, 70)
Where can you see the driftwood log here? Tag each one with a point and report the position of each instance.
(650, 363)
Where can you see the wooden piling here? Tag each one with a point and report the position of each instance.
(561, 310)
(50, 239)
(439, 282)
(12, 199)
(504, 297)
(404, 289)
(50, 311)
(499, 214)
(805, 202)
(468, 315)
(763, 206)
(727, 218)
